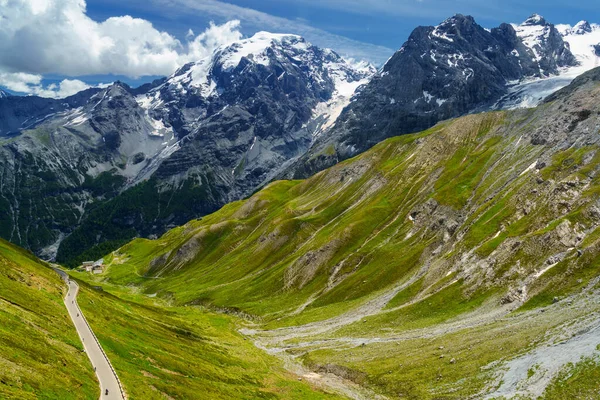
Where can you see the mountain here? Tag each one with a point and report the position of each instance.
(87, 173)
(18, 113)
(121, 162)
(3, 94)
(444, 71)
(581, 38)
(251, 107)
(457, 262)
(546, 43)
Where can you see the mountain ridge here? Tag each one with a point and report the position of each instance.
(265, 107)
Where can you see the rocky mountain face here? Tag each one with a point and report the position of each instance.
(250, 108)
(122, 162)
(547, 45)
(51, 174)
(18, 113)
(95, 169)
(442, 72)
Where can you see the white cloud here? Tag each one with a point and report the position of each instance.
(65, 88)
(213, 37)
(32, 84)
(19, 81)
(56, 36)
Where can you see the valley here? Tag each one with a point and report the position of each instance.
(243, 214)
(458, 262)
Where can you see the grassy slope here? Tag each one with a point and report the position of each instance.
(41, 356)
(472, 209)
(269, 254)
(183, 352)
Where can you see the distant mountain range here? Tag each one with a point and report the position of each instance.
(453, 69)
(82, 175)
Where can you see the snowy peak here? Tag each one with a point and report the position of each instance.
(266, 66)
(535, 20)
(584, 41)
(456, 22)
(582, 28)
(546, 43)
(274, 54)
(256, 48)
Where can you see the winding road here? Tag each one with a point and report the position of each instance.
(106, 375)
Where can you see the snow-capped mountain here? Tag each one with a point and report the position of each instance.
(451, 69)
(265, 61)
(546, 43)
(210, 133)
(583, 42)
(3, 94)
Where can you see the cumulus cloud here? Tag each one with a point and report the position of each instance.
(32, 84)
(213, 37)
(39, 37)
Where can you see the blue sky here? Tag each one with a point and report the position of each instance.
(381, 22)
(362, 29)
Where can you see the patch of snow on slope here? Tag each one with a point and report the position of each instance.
(533, 32)
(582, 38)
(345, 87)
(441, 35)
(77, 117)
(149, 102)
(256, 48)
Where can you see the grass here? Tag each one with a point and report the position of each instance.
(346, 233)
(41, 356)
(579, 381)
(441, 306)
(462, 207)
(179, 352)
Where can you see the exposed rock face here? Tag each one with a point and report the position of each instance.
(172, 150)
(245, 112)
(546, 44)
(18, 113)
(439, 73)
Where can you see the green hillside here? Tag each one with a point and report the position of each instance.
(431, 266)
(41, 356)
(158, 351)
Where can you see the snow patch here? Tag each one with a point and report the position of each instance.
(256, 48)
(531, 167)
